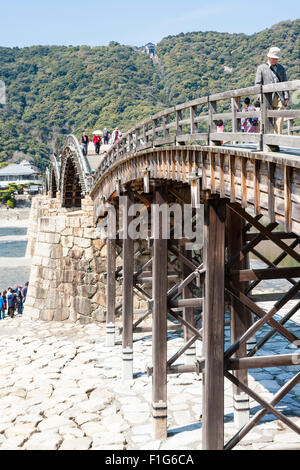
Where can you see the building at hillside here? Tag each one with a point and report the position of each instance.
(23, 173)
(150, 49)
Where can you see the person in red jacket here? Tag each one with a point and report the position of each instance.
(97, 143)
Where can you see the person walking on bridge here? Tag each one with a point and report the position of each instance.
(273, 72)
(85, 144)
(97, 143)
(115, 136)
(11, 302)
(105, 136)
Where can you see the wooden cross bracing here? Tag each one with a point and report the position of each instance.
(232, 276)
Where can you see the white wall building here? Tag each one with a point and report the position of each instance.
(23, 173)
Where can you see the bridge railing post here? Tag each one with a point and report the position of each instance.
(165, 123)
(235, 108)
(212, 109)
(267, 122)
(290, 125)
(193, 115)
(178, 119)
(154, 133)
(137, 135)
(145, 137)
(129, 142)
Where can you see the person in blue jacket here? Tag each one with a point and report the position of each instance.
(11, 302)
(2, 306)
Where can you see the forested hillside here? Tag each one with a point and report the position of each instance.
(55, 90)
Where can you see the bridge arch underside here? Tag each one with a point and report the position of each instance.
(70, 186)
(217, 288)
(53, 184)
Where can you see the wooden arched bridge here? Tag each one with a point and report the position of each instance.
(246, 193)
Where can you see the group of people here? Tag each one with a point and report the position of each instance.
(12, 301)
(107, 138)
(249, 125)
(268, 73)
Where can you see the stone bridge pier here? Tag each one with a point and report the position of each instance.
(67, 279)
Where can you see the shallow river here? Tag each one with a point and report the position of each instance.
(13, 267)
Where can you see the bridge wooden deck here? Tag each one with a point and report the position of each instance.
(177, 156)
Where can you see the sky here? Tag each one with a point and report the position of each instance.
(132, 22)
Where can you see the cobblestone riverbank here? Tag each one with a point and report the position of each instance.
(61, 388)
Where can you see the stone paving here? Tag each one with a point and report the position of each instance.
(61, 388)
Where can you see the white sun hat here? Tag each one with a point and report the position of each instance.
(274, 53)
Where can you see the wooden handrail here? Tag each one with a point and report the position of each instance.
(171, 126)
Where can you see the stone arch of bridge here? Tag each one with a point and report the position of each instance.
(71, 185)
(75, 174)
(54, 177)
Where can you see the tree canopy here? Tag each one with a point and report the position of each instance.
(56, 90)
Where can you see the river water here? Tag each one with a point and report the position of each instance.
(14, 267)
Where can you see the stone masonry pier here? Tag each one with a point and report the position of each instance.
(68, 264)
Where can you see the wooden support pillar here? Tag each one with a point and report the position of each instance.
(213, 324)
(159, 322)
(188, 313)
(241, 318)
(128, 272)
(111, 292)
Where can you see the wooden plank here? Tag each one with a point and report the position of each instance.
(235, 136)
(240, 318)
(264, 231)
(159, 341)
(256, 187)
(285, 113)
(188, 304)
(261, 413)
(213, 322)
(127, 310)
(111, 292)
(222, 184)
(212, 172)
(187, 105)
(253, 90)
(261, 362)
(271, 333)
(212, 109)
(267, 406)
(193, 115)
(264, 318)
(204, 172)
(232, 177)
(244, 183)
(282, 140)
(291, 85)
(271, 183)
(192, 137)
(287, 198)
(178, 119)
(264, 274)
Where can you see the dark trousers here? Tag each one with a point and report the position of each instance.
(11, 311)
(105, 140)
(85, 149)
(97, 148)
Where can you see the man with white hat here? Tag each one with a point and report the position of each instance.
(273, 72)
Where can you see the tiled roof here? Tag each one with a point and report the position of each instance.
(17, 170)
